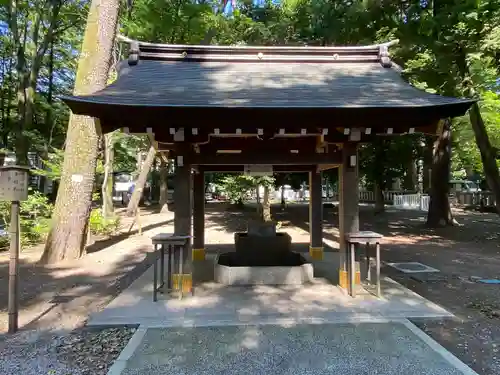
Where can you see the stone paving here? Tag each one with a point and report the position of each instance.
(214, 304)
(313, 329)
(349, 349)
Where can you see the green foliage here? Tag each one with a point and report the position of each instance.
(126, 147)
(446, 47)
(52, 165)
(170, 21)
(466, 155)
(237, 187)
(35, 214)
(103, 226)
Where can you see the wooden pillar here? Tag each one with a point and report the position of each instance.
(182, 224)
(315, 215)
(199, 216)
(348, 206)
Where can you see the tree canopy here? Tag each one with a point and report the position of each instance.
(449, 47)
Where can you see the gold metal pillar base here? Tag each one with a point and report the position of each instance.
(343, 280)
(198, 254)
(316, 253)
(186, 280)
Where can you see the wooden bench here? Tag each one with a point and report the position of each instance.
(353, 240)
(171, 243)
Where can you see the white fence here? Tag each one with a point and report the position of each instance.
(482, 198)
(369, 196)
(411, 202)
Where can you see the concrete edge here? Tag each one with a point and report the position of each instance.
(411, 292)
(127, 352)
(438, 348)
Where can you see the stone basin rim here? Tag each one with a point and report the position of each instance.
(262, 275)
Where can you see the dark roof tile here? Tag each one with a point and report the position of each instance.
(262, 84)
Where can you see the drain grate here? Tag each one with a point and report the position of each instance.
(412, 267)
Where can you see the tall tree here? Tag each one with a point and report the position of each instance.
(164, 169)
(67, 237)
(439, 206)
(133, 204)
(32, 27)
(107, 183)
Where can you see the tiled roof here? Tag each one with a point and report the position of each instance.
(262, 77)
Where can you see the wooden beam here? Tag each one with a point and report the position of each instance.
(249, 138)
(255, 157)
(325, 167)
(301, 144)
(240, 168)
(137, 118)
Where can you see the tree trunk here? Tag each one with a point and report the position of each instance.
(410, 178)
(107, 184)
(7, 119)
(488, 154)
(155, 182)
(25, 114)
(259, 203)
(439, 207)
(427, 165)
(266, 205)
(54, 191)
(379, 197)
(49, 119)
(164, 186)
(380, 174)
(133, 204)
(30, 53)
(68, 234)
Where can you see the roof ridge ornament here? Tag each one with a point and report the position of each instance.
(383, 54)
(133, 53)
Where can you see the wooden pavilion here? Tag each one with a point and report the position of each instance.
(307, 109)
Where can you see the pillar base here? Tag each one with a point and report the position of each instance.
(198, 254)
(186, 280)
(344, 283)
(316, 252)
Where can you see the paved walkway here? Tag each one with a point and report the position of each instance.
(312, 329)
(215, 305)
(392, 348)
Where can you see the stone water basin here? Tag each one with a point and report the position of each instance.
(293, 269)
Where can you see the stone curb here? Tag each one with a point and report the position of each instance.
(127, 352)
(434, 345)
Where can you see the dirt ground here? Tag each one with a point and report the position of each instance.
(58, 298)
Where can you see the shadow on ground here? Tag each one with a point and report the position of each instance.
(39, 284)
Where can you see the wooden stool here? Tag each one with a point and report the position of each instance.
(354, 239)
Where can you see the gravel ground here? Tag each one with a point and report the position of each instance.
(82, 352)
(56, 342)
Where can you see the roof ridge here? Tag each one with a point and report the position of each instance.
(182, 52)
(125, 39)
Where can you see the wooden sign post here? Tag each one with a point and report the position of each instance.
(14, 188)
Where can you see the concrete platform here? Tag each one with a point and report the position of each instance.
(217, 305)
(348, 349)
